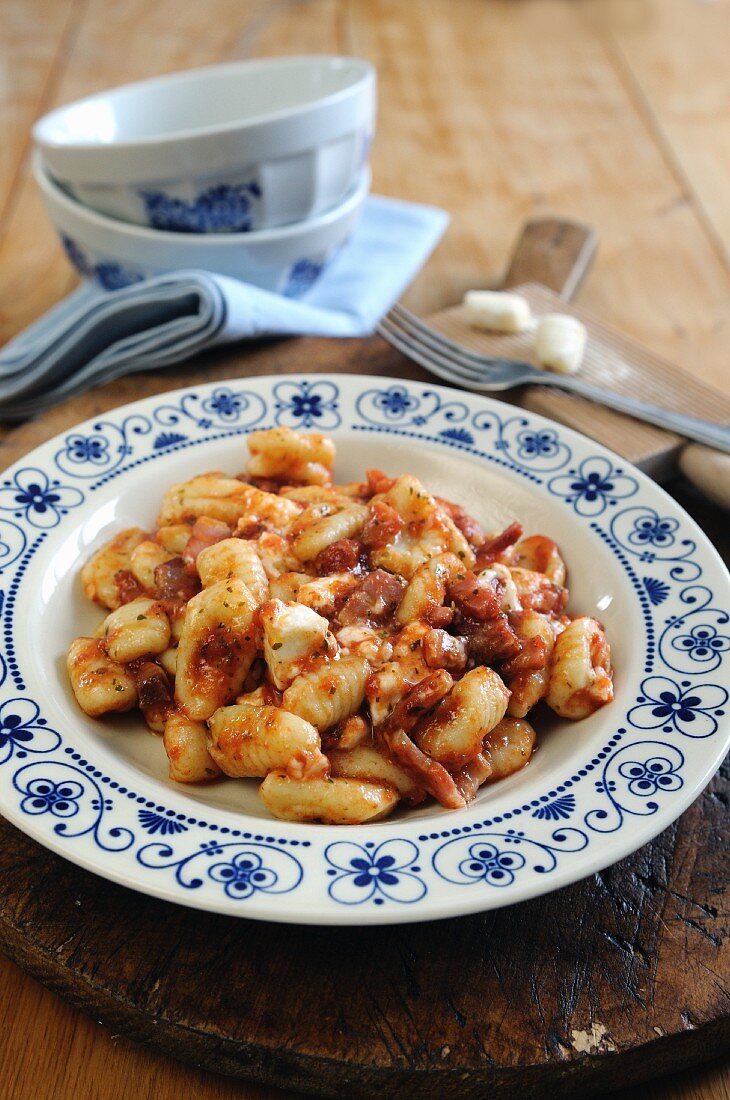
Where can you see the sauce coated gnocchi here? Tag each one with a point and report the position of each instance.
(353, 646)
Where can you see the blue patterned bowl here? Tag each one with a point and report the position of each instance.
(227, 149)
(114, 254)
(98, 793)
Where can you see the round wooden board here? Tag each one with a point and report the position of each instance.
(612, 981)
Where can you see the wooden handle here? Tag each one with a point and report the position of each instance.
(554, 253)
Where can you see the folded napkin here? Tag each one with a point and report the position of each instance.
(94, 335)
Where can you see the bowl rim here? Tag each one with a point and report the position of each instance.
(365, 77)
(131, 230)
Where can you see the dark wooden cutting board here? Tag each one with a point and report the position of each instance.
(611, 981)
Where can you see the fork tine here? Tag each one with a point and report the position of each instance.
(446, 360)
(432, 362)
(441, 359)
(438, 341)
(414, 327)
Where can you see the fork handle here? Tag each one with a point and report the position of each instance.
(692, 427)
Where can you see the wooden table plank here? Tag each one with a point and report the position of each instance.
(501, 112)
(34, 38)
(661, 47)
(83, 1060)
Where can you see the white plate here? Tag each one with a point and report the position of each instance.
(98, 794)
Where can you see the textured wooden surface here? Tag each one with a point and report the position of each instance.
(614, 112)
(553, 252)
(549, 263)
(617, 979)
(611, 361)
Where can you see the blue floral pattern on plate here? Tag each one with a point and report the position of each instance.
(496, 859)
(307, 405)
(364, 872)
(241, 868)
(593, 486)
(665, 737)
(63, 791)
(39, 500)
(642, 532)
(23, 730)
(632, 780)
(686, 708)
(698, 637)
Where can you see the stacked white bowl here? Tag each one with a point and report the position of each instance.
(255, 169)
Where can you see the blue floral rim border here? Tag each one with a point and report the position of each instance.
(640, 780)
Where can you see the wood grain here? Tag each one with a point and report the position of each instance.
(612, 361)
(498, 111)
(689, 118)
(505, 111)
(35, 37)
(80, 1056)
(555, 253)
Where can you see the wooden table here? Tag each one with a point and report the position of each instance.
(616, 112)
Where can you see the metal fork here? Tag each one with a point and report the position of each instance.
(485, 373)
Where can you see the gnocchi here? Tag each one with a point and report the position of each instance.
(135, 630)
(352, 646)
(230, 558)
(338, 801)
(249, 741)
(580, 679)
(99, 575)
(186, 745)
(281, 453)
(101, 686)
(216, 648)
(454, 733)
